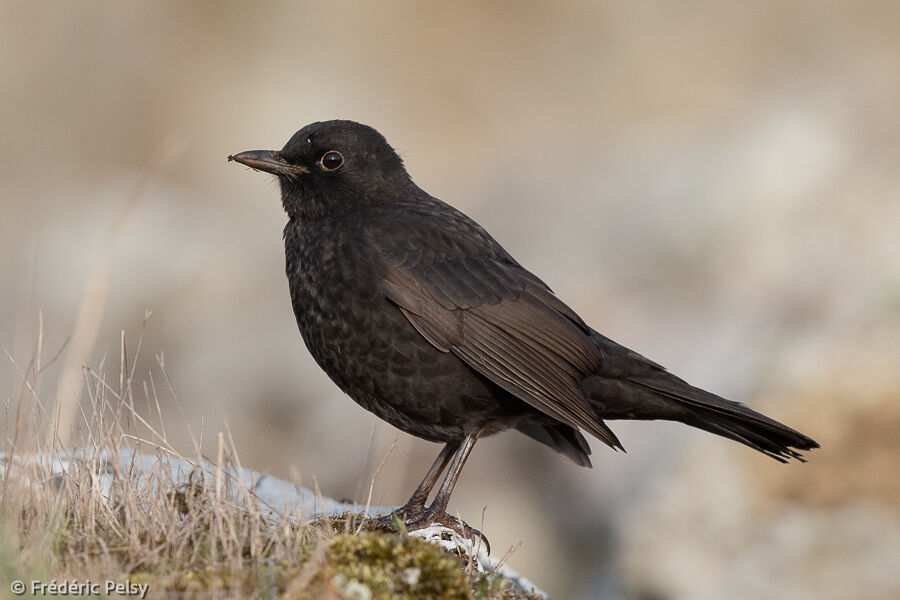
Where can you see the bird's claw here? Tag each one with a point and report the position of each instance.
(412, 518)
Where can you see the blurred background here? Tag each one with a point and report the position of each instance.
(716, 185)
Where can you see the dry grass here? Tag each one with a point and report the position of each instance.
(82, 515)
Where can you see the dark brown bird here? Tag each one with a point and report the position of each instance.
(422, 318)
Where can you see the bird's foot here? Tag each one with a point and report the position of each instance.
(412, 518)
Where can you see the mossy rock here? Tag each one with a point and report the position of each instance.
(374, 565)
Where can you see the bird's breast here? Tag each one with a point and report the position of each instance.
(352, 331)
(333, 283)
(366, 345)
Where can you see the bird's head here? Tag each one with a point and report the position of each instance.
(332, 167)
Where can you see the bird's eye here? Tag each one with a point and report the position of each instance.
(332, 160)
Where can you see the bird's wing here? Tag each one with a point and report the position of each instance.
(504, 322)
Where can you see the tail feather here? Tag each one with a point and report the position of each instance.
(566, 440)
(729, 419)
(629, 386)
(743, 432)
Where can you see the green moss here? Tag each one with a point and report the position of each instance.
(395, 567)
(367, 566)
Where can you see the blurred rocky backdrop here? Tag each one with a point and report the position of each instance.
(713, 184)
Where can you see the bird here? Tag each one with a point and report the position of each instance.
(425, 320)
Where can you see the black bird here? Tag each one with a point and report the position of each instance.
(422, 318)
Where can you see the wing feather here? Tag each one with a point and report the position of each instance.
(506, 326)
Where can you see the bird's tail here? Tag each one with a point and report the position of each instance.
(733, 420)
(632, 387)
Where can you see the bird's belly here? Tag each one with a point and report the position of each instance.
(372, 352)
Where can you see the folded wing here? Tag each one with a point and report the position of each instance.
(506, 325)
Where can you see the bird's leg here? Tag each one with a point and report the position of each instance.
(416, 502)
(415, 506)
(442, 498)
(437, 511)
(415, 515)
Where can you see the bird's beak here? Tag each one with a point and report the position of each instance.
(269, 161)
